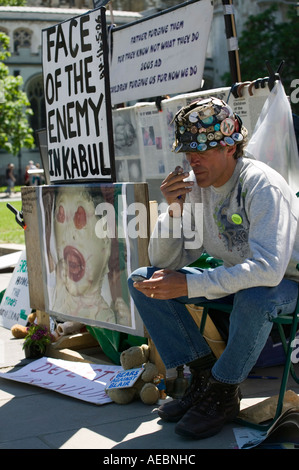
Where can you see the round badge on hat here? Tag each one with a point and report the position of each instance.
(237, 125)
(202, 147)
(218, 135)
(218, 102)
(237, 137)
(208, 120)
(229, 110)
(193, 117)
(224, 113)
(227, 126)
(201, 138)
(204, 101)
(229, 141)
(178, 148)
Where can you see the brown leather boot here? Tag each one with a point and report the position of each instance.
(174, 410)
(219, 404)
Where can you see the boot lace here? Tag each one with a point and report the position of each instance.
(195, 390)
(215, 399)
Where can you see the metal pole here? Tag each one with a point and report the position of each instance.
(232, 40)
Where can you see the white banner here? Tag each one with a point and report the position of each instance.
(79, 380)
(15, 304)
(78, 107)
(162, 55)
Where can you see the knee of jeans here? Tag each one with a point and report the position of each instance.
(258, 295)
(261, 301)
(255, 299)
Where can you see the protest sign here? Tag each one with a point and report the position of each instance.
(15, 304)
(125, 379)
(161, 55)
(79, 380)
(78, 107)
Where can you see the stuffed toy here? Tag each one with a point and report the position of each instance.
(63, 329)
(145, 387)
(20, 331)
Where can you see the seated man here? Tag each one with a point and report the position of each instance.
(250, 221)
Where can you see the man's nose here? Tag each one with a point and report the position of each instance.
(194, 159)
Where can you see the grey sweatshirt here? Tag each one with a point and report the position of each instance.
(250, 223)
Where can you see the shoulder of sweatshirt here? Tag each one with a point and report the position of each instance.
(256, 177)
(257, 173)
(253, 175)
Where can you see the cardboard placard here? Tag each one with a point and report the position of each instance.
(77, 96)
(15, 304)
(125, 379)
(79, 380)
(161, 55)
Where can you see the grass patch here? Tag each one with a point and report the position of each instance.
(10, 231)
(16, 189)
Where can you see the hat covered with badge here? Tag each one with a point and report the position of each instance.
(206, 124)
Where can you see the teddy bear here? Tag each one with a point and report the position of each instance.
(20, 331)
(144, 388)
(62, 329)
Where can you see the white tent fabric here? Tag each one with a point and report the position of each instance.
(273, 140)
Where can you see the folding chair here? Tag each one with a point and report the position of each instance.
(280, 321)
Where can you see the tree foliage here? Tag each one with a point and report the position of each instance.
(12, 3)
(15, 131)
(264, 39)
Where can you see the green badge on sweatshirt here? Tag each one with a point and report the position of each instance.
(237, 219)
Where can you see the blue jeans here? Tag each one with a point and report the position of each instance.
(177, 337)
(10, 185)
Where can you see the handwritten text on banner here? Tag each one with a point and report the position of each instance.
(79, 380)
(74, 63)
(161, 55)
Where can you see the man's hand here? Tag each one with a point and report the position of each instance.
(174, 189)
(164, 284)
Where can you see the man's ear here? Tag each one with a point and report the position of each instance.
(231, 150)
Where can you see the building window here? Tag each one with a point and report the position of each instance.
(21, 38)
(35, 93)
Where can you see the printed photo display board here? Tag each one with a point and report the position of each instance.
(91, 238)
(78, 107)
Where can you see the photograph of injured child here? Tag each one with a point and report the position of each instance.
(85, 261)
